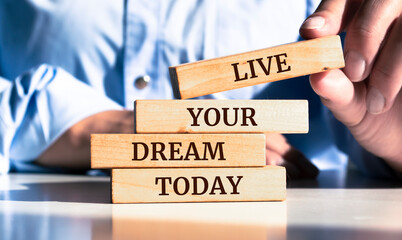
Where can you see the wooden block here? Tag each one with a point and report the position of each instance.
(177, 150)
(220, 116)
(198, 184)
(256, 67)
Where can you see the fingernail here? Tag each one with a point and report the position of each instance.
(354, 66)
(315, 22)
(375, 101)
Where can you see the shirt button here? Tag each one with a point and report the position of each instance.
(142, 82)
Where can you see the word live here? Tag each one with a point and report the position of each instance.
(281, 63)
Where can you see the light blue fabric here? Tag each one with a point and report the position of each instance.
(61, 61)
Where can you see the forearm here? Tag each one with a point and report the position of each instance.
(72, 149)
(37, 112)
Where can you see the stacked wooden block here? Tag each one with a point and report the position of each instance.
(198, 150)
(212, 150)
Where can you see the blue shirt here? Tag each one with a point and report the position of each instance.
(62, 61)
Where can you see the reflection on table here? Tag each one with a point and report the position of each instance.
(336, 205)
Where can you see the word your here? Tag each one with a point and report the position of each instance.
(181, 185)
(212, 116)
(266, 69)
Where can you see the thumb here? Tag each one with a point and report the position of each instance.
(345, 99)
(330, 18)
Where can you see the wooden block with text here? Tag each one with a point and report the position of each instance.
(221, 116)
(256, 67)
(177, 150)
(198, 184)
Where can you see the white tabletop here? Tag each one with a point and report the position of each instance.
(336, 206)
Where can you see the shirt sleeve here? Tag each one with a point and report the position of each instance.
(37, 107)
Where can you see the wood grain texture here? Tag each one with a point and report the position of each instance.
(261, 66)
(194, 150)
(145, 229)
(243, 116)
(198, 184)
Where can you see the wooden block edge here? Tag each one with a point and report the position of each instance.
(307, 117)
(112, 199)
(135, 116)
(261, 49)
(91, 152)
(174, 82)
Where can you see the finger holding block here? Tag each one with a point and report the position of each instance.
(221, 116)
(260, 66)
(177, 150)
(198, 184)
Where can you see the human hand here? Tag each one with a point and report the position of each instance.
(366, 95)
(72, 149)
(280, 152)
